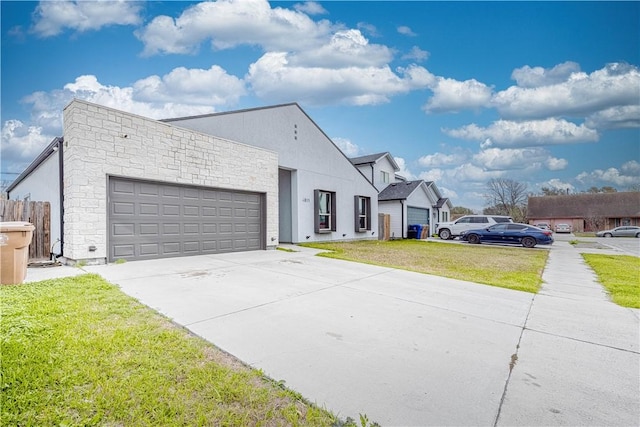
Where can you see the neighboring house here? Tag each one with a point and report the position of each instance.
(407, 202)
(41, 181)
(322, 196)
(137, 188)
(586, 211)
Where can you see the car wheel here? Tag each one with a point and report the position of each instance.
(608, 235)
(473, 238)
(528, 242)
(637, 235)
(444, 234)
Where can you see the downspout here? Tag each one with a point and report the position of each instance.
(373, 177)
(402, 216)
(61, 188)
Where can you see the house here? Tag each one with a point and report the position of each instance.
(586, 211)
(122, 186)
(322, 196)
(407, 202)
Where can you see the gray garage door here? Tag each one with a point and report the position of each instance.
(417, 215)
(156, 220)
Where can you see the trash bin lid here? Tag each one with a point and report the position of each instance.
(16, 226)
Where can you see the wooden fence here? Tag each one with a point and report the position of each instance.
(38, 214)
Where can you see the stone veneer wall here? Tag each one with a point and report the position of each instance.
(100, 141)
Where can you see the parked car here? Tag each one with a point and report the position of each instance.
(450, 230)
(543, 225)
(513, 233)
(623, 231)
(563, 228)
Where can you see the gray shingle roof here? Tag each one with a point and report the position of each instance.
(399, 190)
(369, 158)
(609, 205)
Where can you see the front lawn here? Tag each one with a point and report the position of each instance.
(507, 267)
(78, 351)
(620, 275)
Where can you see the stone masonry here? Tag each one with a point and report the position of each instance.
(100, 141)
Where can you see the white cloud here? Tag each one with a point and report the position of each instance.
(556, 184)
(631, 167)
(529, 77)
(52, 17)
(555, 164)
(228, 23)
(404, 171)
(436, 175)
(348, 48)
(451, 95)
(447, 192)
(498, 159)
(272, 77)
(626, 177)
(191, 86)
(505, 133)
(406, 31)
(21, 143)
(472, 173)
(578, 95)
(627, 116)
(441, 159)
(416, 54)
(310, 8)
(347, 147)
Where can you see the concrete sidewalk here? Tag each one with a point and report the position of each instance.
(578, 359)
(404, 348)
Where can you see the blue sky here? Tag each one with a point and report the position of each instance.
(545, 93)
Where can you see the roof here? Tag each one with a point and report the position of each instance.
(441, 202)
(399, 190)
(44, 155)
(608, 205)
(374, 158)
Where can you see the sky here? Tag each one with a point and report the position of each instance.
(543, 93)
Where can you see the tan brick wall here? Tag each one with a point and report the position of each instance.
(100, 141)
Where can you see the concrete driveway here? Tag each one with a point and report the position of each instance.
(408, 349)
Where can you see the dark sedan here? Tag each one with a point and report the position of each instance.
(520, 234)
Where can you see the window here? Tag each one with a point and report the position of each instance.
(363, 213)
(384, 176)
(445, 216)
(479, 220)
(325, 211)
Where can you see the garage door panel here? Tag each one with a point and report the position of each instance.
(153, 220)
(123, 208)
(149, 209)
(209, 211)
(123, 251)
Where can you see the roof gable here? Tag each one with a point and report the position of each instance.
(375, 158)
(399, 190)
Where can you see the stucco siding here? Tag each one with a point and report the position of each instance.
(101, 142)
(43, 185)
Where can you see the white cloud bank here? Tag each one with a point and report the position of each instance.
(53, 17)
(506, 133)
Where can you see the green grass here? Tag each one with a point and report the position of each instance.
(78, 351)
(620, 275)
(512, 268)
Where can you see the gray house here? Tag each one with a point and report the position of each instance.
(122, 186)
(407, 202)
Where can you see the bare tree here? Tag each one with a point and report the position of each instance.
(507, 197)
